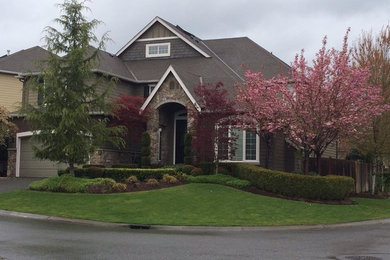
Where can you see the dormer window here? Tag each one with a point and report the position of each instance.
(158, 50)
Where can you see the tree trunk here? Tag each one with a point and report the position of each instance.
(268, 142)
(318, 163)
(71, 168)
(305, 165)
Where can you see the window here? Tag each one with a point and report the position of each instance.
(158, 50)
(250, 146)
(246, 146)
(148, 90)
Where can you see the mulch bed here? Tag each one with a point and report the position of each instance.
(381, 195)
(255, 190)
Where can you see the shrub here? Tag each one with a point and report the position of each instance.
(223, 170)
(295, 185)
(62, 172)
(66, 183)
(220, 179)
(145, 150)
(101, 185)
(119, 174)
(180, 175)
(152, 182)
(93, 165)
(169, 179)
(89, 172)
(125, 166)
(207, 167)
(196, 171)
(132, 179)
(187, 169)
(119, 187)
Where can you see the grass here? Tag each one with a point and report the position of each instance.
(191, 204)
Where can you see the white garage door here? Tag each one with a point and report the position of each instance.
(34, 167)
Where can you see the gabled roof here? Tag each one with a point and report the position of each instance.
(186, 37)
(241, 54)
(161, 81)
(110, 64)
(23, 61)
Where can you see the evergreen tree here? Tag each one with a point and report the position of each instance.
(71, 114)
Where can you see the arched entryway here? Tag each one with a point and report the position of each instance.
(171, 132)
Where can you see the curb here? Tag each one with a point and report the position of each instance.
(191, 228)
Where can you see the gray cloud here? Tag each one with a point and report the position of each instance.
(283, 27)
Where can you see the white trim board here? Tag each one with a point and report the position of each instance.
(161, 81)
(158, 19)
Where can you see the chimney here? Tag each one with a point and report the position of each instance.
(8, 52)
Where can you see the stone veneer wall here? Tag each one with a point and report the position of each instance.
(11, 164)
(108, 157)
(165, 95)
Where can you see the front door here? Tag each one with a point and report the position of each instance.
(181, 129)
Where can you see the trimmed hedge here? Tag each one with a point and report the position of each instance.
(120, 174)
(219, 179)
(128, 166)
(66, 183)
(329, 187)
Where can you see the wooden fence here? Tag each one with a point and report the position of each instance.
(359, 171)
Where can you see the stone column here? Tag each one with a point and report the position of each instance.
(11, 164)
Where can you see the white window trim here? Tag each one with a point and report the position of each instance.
(244, 149)
(148, 55)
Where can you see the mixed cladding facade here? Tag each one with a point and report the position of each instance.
(164, 64)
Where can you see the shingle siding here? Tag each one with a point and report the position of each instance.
(156, 31)
(179, 49)
(10, 92)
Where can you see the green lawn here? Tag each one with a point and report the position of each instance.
(191, 204)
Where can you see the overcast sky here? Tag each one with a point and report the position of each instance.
(283, 27)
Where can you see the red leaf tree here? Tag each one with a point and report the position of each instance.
(210, 125)
(317, 104)
(127, 113)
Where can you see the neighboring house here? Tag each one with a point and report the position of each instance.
(11, 87)
(164, 63)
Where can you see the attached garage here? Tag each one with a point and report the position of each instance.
(29, 166)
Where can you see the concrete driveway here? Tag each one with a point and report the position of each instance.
(9, 184)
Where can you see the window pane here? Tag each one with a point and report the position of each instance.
(163, 49)
(250, 146)
(223, 147)
(238, 146)
(153, 49)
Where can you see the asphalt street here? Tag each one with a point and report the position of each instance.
(22, 238)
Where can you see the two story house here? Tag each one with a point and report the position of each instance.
(164, 63)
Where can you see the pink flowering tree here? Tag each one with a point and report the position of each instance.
(316, 104)
(260, 106)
